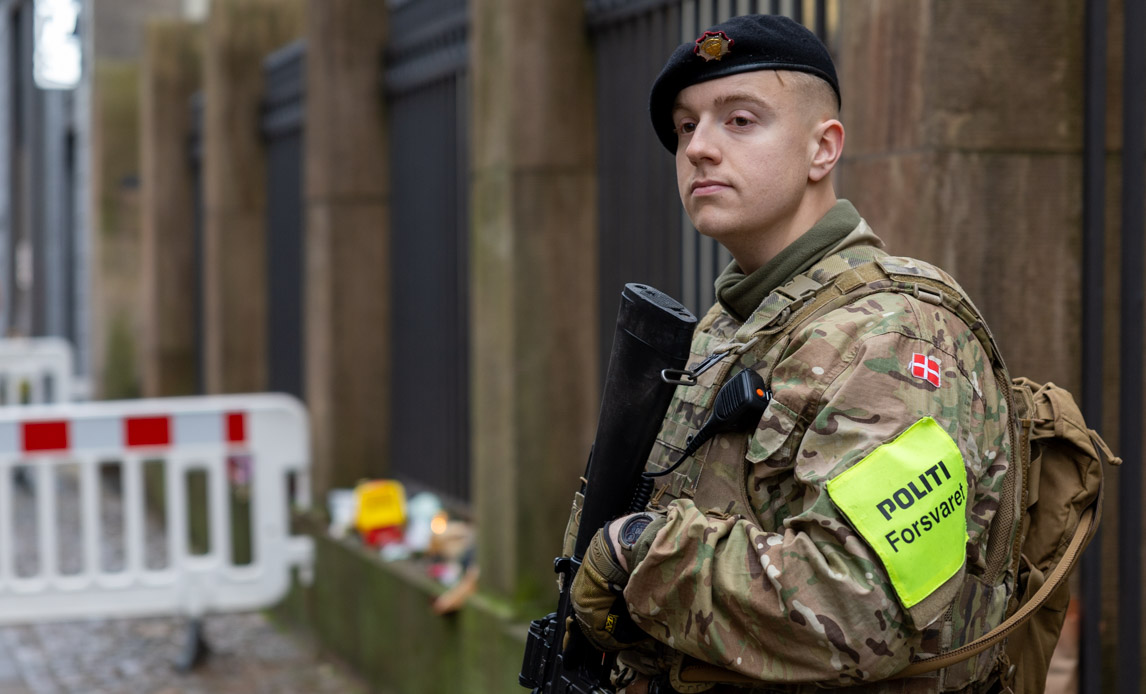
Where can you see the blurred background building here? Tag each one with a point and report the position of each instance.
(417, 216)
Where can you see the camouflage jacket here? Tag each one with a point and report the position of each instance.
(757, 569)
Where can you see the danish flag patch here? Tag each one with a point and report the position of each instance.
(926, 368)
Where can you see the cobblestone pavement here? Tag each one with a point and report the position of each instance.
(136, 656)
(249, 656)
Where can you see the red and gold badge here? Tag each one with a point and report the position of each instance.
(713, 45)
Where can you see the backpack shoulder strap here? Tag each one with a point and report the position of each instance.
(819, 291)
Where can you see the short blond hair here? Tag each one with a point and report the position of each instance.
(816, 92)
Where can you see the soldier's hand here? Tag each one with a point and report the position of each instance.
(597, 597)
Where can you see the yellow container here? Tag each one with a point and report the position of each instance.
(381, 504)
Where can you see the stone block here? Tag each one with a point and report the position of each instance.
(1004, 76)
(976, 75)
(880, 57)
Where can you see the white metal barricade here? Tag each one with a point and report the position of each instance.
(35, 370)
(90, 551)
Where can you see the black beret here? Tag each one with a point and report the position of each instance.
(742, 44)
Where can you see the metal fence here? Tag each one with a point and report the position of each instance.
(644, 234)
(36, 371)
(425, 87)
(282, 126)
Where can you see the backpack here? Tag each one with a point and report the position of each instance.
(1056, 487)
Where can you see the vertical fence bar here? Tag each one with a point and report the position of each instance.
(1093, 257)
(89, 513)
(219, 514)
(175, 491)
(132, 485)
(46, 519)
(1130, 350)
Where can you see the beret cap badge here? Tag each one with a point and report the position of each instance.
(713, 45)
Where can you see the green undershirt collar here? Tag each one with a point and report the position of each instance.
(741, 294)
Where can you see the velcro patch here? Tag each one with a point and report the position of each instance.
(908, 499)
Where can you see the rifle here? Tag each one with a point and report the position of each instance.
(653, 333)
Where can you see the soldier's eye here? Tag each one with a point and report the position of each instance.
(741, 121)
(685, 127)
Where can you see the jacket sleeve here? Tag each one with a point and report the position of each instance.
(794, 593)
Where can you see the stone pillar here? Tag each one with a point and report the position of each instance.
(534, 270)
(240, 33)
(347, 241)
(115, 244)
(171, 68)
(964, 147)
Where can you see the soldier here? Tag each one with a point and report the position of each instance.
(851, 533)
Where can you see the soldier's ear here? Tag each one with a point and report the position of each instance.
(827, 145)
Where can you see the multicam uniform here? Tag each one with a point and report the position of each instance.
(758, 570)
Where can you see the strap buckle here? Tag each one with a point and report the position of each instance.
(928, 295)
(688, 377)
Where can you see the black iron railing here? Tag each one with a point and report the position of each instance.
(425, 87)
(282, 128)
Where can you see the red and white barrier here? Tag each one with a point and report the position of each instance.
(36, 370)
(260, 442)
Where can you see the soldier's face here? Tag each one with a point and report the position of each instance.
(744, 150)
